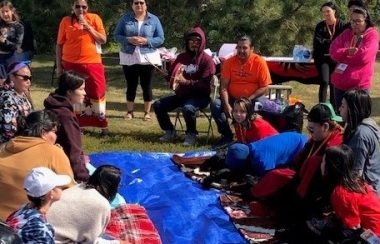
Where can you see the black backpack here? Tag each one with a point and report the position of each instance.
(8, 235)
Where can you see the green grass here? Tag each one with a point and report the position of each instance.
(139, 135)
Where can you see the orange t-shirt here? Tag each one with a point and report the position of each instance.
(78, 44)
(245, 79)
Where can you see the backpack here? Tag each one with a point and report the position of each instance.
(290, 119)
(8, 235)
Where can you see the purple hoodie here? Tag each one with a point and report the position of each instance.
(198, 70)
(360, 66)
(68, 134)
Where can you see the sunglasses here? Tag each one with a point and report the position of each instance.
(24, 77)
(138, 3)
(81, 6)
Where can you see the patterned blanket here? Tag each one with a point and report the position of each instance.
(131, 222)
(254, 229)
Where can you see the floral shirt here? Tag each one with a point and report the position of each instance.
(31, 226)
(12, 106)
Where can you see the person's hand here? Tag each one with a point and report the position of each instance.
(352, 51)
(228, 111)
(19, 50)
(142, 40)
(180, 79)
(135, 40)
(2, 39)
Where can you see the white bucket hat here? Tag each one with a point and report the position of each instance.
(41, 180)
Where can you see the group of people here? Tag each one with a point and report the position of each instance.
(324, 172)
(345, 54)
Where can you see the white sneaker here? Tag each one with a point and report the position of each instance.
(170, 135)
(190, 139)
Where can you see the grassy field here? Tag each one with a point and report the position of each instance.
(139, 135)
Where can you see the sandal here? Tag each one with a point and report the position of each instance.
(146, 116)
(129, 115)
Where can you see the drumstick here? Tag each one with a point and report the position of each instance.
(162, 72)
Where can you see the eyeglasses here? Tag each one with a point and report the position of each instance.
(138, 3)
(81, 6)
(24, 77)
(356, 21)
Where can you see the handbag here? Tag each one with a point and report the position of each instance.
(8, 235)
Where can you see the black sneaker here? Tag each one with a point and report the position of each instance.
(225, 141)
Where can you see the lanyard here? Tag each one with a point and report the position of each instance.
(331, 32)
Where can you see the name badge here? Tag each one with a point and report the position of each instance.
(340, 68)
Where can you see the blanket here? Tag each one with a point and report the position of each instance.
(181, 210)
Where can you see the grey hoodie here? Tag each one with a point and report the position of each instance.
(365, 144)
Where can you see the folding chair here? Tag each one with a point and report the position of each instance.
(205, 111)
(278, 90)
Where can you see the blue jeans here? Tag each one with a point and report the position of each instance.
(217, 112)
(190, 106)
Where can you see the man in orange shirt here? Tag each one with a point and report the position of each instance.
(244, 75)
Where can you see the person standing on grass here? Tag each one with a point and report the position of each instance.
(325, 32)
(79, 49)
(193, 90)
(11, 33)
(244, 75)
(355, 53)
(139, 33)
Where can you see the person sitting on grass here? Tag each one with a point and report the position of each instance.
(354, 201)
(34, 147)
(70, 93)
(84, 210)
(362, 134)
(249, 126)
(295, 192)
(43, 188)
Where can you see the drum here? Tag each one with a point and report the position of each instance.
(177, 71)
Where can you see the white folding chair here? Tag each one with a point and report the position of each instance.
(215, 84)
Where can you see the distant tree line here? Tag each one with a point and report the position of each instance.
(275, 26)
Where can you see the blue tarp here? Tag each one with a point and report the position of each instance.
(180, 209)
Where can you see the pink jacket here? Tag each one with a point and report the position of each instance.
(361, 66)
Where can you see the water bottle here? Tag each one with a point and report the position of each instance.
(306, 54)
(296, 52)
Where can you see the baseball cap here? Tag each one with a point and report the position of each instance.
(323, 112)
(41, 180)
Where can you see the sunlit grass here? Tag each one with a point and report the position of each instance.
(139, 135)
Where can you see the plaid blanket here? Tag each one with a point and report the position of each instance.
(131, 222)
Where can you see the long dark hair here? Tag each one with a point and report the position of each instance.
(69, 81)
(339, 162)
(105, 180)
(15, 16)
(247, 105)
(359, 107)
(37, 122)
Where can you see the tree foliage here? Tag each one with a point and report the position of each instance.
(275, 26)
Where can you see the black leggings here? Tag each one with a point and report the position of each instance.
(325, 69)
(132, 74)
